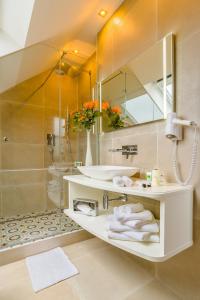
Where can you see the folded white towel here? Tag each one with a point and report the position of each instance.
(129, 235)
(118, 227)
(154, 238)
(131, 222)
(118, 181)
(138, 236)
(152, 227)
(144, 215)
(134, 236)
(127, 181)
(136, 224)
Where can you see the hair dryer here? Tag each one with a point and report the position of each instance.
(173, 131)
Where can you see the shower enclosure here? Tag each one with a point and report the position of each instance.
(38, 91)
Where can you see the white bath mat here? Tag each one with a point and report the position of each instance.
(48, 268)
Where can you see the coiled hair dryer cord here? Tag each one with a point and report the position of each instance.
(193, 160)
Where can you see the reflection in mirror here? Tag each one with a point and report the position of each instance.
(143, 89)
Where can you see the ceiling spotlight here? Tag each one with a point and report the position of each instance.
(102, 13)
(117, 21)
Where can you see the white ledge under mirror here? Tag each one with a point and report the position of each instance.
(176, 215)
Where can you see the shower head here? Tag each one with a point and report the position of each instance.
(65, 66)
(59, 72)
(62, 68)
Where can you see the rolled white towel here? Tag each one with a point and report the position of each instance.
(137, 237)
(127, 181)
(118, 181)
(129, 208)
(144, 215)
(122, 210)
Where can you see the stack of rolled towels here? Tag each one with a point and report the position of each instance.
(131, 222)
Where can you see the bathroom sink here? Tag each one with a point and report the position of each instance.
(107, 172)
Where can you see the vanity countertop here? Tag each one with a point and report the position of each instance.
(152, 192)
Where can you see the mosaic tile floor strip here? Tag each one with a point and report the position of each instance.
(23, 229)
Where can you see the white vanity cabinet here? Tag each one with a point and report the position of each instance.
(176, 215)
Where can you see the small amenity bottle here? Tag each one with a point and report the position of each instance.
(155, 177)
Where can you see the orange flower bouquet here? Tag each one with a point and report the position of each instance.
(86, 117)
(113, 114)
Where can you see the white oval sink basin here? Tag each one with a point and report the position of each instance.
(107, 172)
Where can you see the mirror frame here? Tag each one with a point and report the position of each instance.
(99, 84)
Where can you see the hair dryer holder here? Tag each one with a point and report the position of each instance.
(174, 127)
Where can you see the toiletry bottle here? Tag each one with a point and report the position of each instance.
(163, 180)
(149, 177)
(155, 177)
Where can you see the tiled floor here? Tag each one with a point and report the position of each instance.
(22, 229)
(106, 273)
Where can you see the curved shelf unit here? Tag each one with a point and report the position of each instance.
(176, 215)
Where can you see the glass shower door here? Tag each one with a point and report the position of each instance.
(30, 187)
(37, 145)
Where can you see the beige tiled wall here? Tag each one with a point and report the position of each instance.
(143, 22)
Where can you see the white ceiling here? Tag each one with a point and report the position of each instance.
(56, 24)
(15, 16)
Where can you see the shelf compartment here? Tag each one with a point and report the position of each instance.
(176, 215)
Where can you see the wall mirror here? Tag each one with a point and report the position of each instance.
(143, 89)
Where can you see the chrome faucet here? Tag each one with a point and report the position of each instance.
(106, 199)
(126, 150)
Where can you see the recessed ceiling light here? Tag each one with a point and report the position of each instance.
(102, 13)
(117, 21)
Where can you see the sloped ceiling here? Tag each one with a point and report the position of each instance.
(48, 26)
